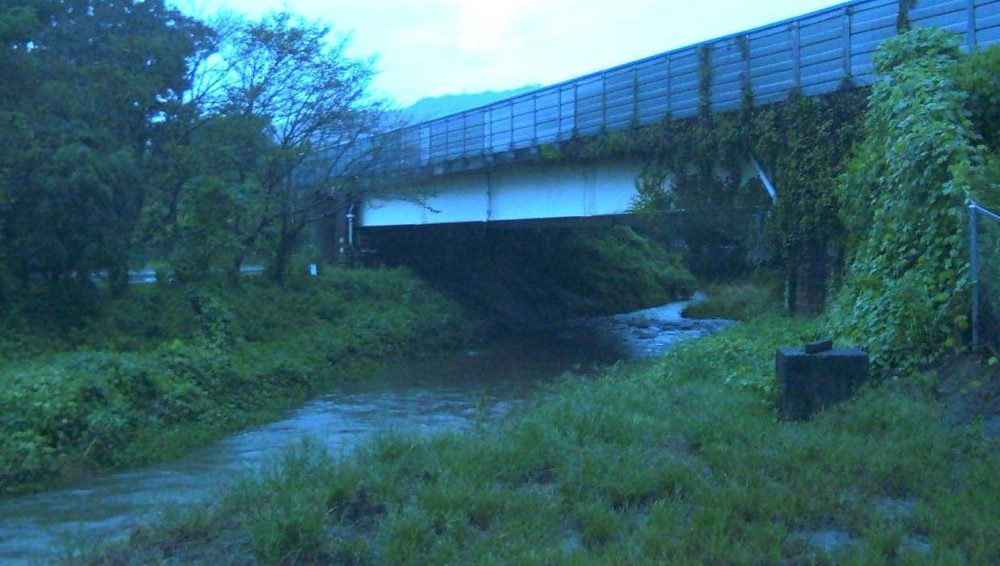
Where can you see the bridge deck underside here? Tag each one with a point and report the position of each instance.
(511, 195)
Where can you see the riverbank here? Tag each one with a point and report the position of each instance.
(680, 459)
(457, 389)
(169, 368)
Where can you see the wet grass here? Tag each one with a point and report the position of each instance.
(678, 461)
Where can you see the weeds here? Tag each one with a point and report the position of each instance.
(737, 301)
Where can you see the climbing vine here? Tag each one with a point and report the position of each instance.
(705, 80)
(743, 43)
(903, 23)
(803, 144)
(699, 164)
(871, 182)
(979, 76)
(902, 198)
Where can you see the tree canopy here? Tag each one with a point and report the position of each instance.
(130, 131)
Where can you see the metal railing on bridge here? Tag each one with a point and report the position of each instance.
(815, 53)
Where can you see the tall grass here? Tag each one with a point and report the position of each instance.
(737, 301)
(679, 461)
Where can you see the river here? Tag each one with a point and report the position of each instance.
(425, 395)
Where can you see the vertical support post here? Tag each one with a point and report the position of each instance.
(576, 108)
(489, 196)
(534, 119)
(848, 48)
(796, 55)
(792, 289)
(670, 87)
(559, 113)
(488, 132)
(970, 34)
(510, 131)
(604, 102)
(748, 64)
(635, 96)
(425, 145)
(465, 135)
(974, 257)
(447, 138)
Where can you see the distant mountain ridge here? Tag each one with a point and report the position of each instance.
(438, 106)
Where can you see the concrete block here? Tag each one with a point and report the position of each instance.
(819, 347)
(809, 382)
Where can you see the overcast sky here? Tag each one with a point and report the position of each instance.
(436, 47)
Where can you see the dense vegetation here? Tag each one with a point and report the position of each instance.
(905, 296)
(150, 366)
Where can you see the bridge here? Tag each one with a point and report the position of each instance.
(482, 165)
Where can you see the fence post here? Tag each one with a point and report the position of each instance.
(974, 262)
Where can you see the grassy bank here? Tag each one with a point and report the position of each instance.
(679, 461)
(144, 378)
(743, 300)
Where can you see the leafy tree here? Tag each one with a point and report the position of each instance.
(101, 77)
(303, 115)
(213, 188)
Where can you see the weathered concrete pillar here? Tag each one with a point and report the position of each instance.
(811, 381)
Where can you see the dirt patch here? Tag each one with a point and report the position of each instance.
(895, 509)
(828, 540)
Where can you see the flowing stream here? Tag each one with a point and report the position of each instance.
(428, 394)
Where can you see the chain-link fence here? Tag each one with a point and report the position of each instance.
(984, 247)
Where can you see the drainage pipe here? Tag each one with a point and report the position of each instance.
(766, 180)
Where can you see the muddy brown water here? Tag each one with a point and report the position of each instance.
(423, 395)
